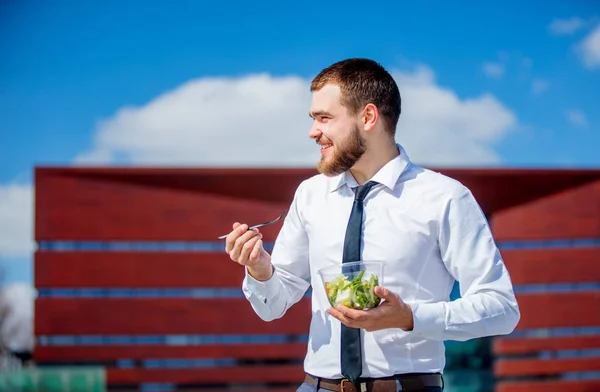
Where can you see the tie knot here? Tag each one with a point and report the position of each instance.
(362, 190)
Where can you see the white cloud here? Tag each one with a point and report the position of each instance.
(567, 26)
(261, 120)
(16, 321)
(589, 49)
(576, 117)
(439, 128)
(16, 220)
(493, 70)
(252, 120)
(539, 86)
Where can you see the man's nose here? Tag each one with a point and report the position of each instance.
(314, 132)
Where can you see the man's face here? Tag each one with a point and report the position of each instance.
(335, 131)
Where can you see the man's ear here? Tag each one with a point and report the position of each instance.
(370, 117)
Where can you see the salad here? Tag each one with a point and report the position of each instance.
(356, 293)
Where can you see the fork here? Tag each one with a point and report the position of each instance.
(259, 225)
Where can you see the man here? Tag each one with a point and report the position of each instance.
(427, 228)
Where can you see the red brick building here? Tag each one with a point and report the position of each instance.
(132, 277)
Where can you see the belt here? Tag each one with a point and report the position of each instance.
(409, 382)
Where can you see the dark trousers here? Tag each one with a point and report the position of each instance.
(307, 388)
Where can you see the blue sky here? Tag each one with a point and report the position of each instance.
(67, 66)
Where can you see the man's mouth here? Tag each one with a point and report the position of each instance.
(325, 148)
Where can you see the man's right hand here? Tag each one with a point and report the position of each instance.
(245, 247)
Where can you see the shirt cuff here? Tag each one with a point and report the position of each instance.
(429, 320)
(260, 289)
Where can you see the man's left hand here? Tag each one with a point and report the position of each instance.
(391, 313)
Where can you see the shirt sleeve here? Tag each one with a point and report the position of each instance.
(270, 299)
(487, 305)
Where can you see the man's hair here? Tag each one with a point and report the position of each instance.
(363, 81)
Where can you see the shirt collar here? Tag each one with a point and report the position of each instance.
(388, 175)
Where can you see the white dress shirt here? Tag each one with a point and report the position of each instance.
(429, 230)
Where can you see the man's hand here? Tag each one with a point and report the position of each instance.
(391, 313)
(245, 247)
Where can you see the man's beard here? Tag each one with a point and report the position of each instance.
(345, 154)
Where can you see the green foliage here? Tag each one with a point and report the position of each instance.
(54, 379)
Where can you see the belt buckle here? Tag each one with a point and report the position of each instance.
(345, 380)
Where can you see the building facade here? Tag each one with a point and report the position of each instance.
(131, 277)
